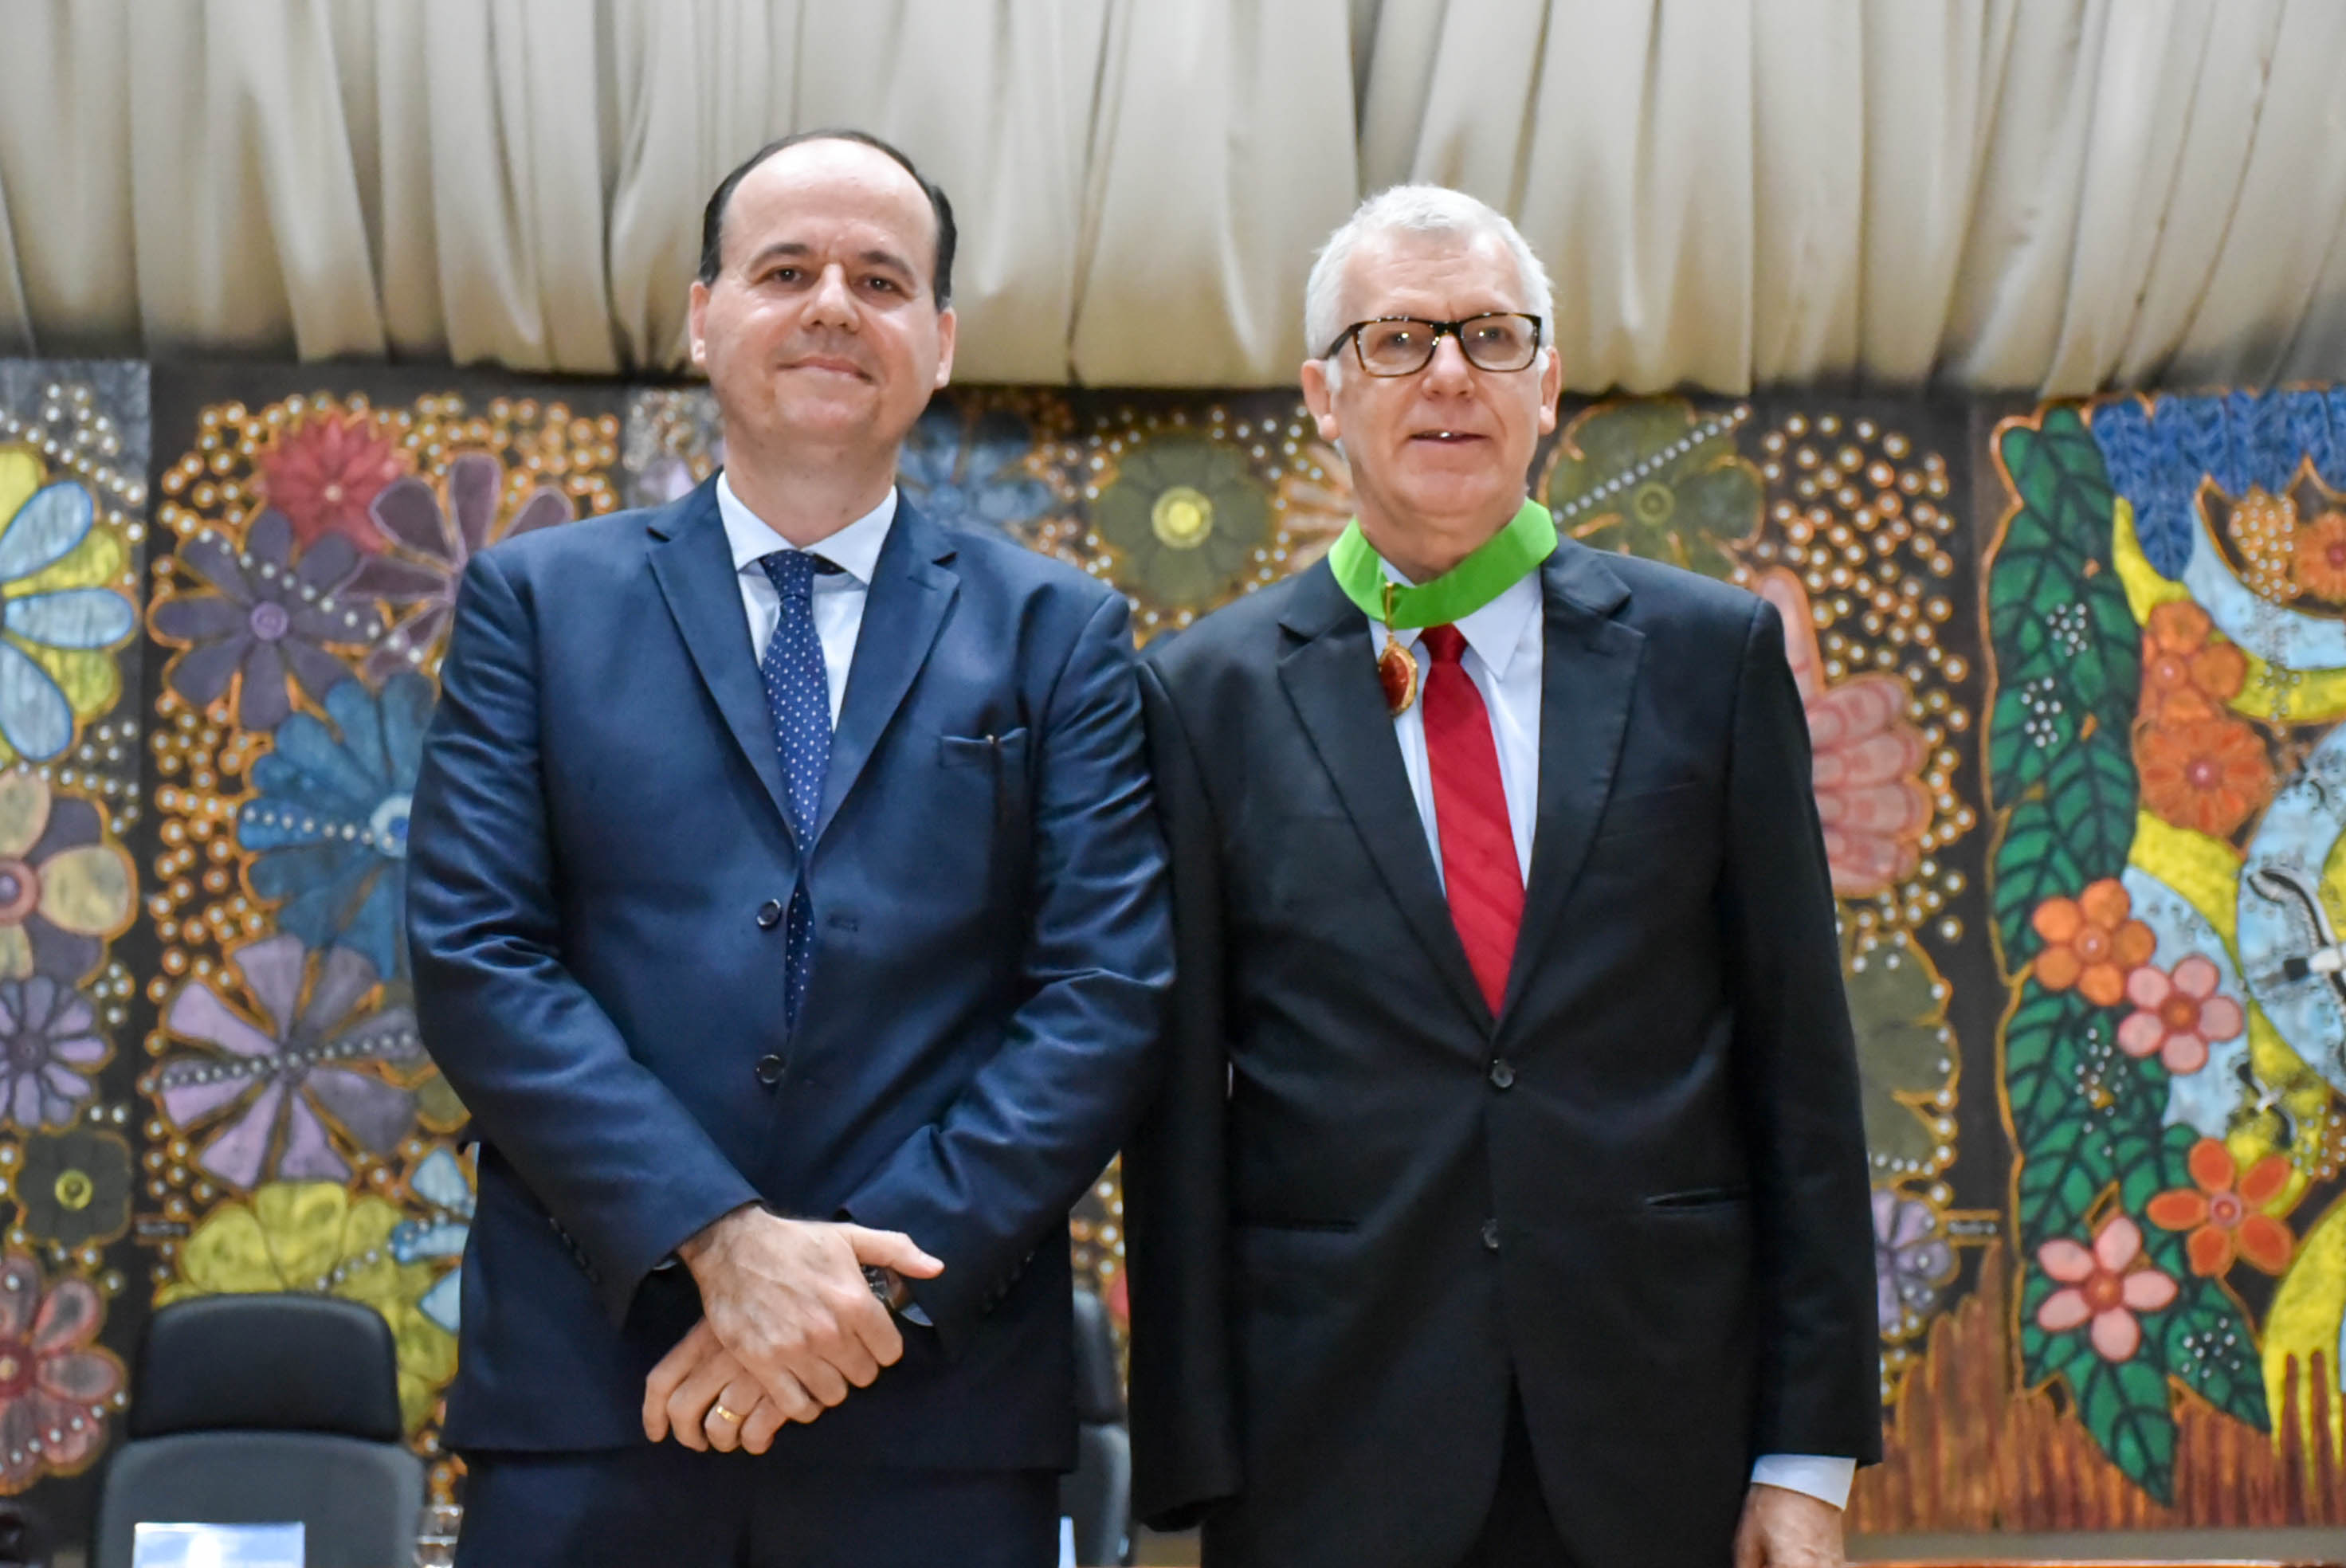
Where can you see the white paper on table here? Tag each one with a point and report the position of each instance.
(218, 1546)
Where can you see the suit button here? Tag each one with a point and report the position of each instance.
(769, 914)
(1503, 1074)
(1490, 1236)
(770, 1069)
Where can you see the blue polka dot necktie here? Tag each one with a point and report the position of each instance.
(798, 694)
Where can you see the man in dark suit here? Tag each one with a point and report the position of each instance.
(788, 904)
(1505, 1199)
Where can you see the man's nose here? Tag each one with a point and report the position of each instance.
(832, 304)
(1448, 370)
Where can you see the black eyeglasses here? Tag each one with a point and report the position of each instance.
(1404, 345)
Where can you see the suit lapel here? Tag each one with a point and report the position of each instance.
(910, 591)
(693, 564)
(1329, 674)
(1588, 674)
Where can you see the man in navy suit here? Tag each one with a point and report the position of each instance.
(790, 911)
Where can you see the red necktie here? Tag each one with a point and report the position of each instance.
(1479, 869)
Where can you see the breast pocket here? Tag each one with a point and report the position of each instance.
(1680, 809)
(993, 767)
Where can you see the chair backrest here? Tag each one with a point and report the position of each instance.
(360, 1501)
(1097, 1493)
(257, 1410)
(272, 1363)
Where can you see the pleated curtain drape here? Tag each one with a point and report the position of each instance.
(2051, 196)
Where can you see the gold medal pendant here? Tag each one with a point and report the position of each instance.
(1396, 666)
(1397, 673)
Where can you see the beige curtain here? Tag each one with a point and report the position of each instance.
(2042, 194)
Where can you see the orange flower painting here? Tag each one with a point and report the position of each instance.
(2209, 775)
(2224, 1210)
(2091, 942)
(2186, 675)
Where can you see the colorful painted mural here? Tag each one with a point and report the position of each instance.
(2075, 677)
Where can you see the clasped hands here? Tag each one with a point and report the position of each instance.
(789, 1325)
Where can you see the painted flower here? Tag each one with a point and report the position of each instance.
(62, 610)
(965, 468)
(269, 626)
(1652, 477)
(2091, 943)
(2178, 1016)
(318, 1239)
(431, 546)
(2225, 1211)
(65, 887)
(75, 1188)
(2208, 775)
(441, 1185)
(2184, 676)
(1912, 1262)
(325, 471)
(56, 1381)
(1186, 515)
(285, 1089)
(2105, 1287)
(1905, 1057)
(2319, 561)
(50, 1050)
(1868, 756)
(329, 827)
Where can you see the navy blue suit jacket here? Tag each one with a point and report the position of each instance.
(600, 853)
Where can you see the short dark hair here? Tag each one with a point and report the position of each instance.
(712, 218)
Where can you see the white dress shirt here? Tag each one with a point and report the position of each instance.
(1505, 659)
(838, 597)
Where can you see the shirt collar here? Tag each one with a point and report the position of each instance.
(1495, 632)
(854, 549)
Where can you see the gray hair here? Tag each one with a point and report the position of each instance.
(1415, 210)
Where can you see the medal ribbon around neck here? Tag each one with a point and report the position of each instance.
(1497, 564)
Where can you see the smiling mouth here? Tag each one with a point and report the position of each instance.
(1446, 437)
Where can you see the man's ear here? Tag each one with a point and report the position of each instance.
(1321, 399)
(1551, 384)
(697, 337)
(948, 330)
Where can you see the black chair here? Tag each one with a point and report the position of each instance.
(25, 1538)
(1097, 1494)
(254, 1409)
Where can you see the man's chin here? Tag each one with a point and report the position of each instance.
(843, 418)
(1453, 494)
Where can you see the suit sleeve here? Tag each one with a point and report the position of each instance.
(1176, 1206)
(623, 1168)
(1796, 1076)
(993, 1178)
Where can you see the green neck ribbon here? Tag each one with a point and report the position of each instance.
(1497, 564)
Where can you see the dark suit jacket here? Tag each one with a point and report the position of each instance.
(1362, 1206)
(601, 857)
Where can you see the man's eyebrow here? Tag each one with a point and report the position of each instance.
(792, 248)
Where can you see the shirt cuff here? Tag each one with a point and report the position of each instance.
(1826, 1479)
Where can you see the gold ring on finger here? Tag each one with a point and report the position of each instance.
(723, 1414)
